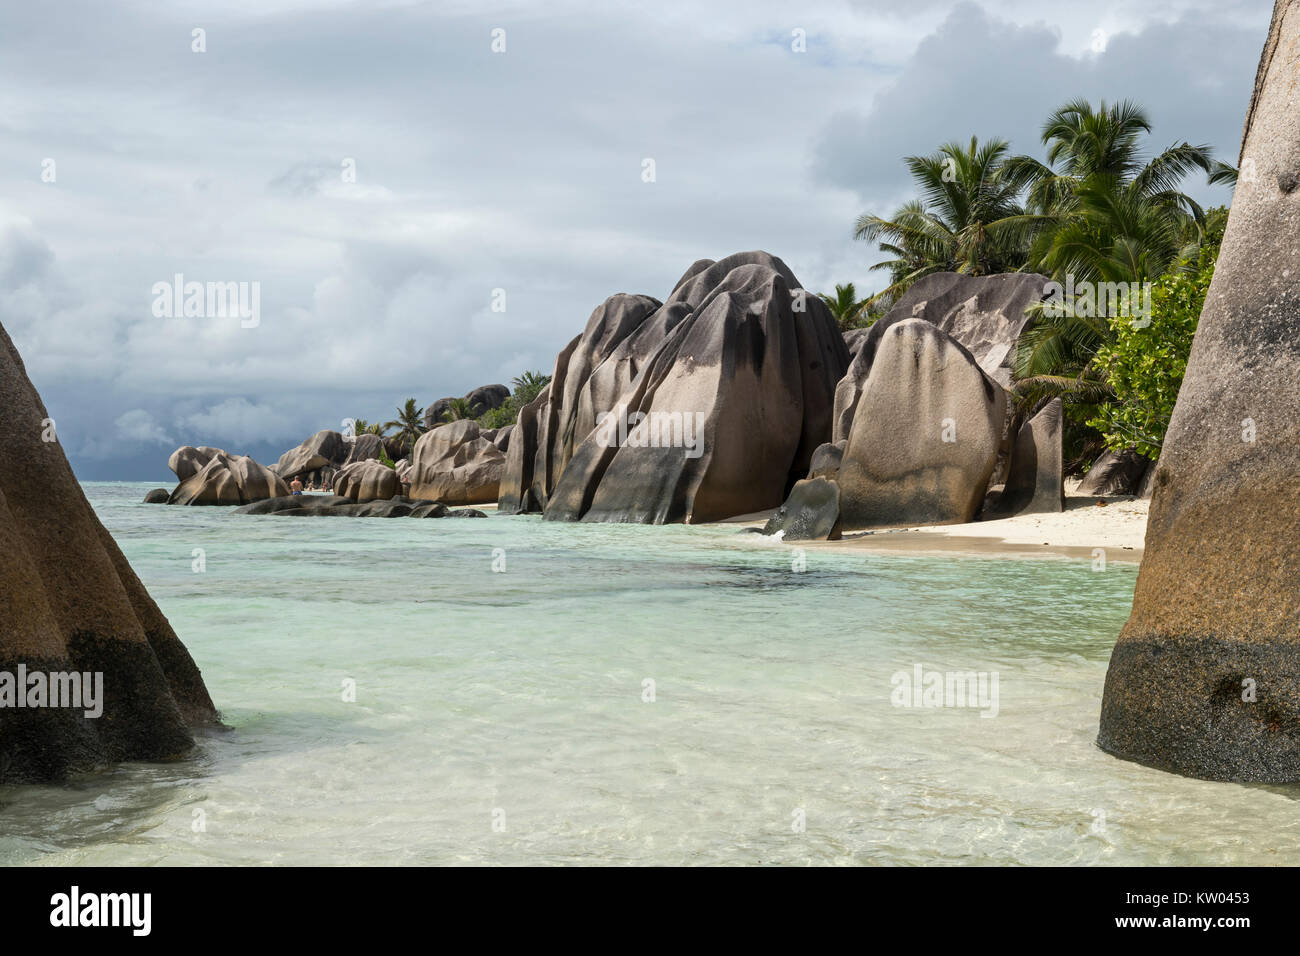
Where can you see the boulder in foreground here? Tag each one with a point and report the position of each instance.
(1205, 677)
(69, 602)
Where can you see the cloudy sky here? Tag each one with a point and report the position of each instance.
(128, 157)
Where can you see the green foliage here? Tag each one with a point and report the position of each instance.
(457, 409)
(409, 423)
(386, 461)
(1144, 367)
(969, 218)
(850, 312)
(527, 387)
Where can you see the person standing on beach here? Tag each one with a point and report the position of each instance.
(295, 486)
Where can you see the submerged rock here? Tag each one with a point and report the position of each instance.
(69, 602)
(158, 496)
(925, 435)
(1205, 677)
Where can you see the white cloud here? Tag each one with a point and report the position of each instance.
(138, 425)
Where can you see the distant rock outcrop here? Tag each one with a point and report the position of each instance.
(323, 449)
(70, 603)
(456, 465)
(157, 496)
(480, 400)
(925, 436)
(706, 406)
(228, 480)
(1205, 677)
(364, 448)
(366, 480)
(338, 506)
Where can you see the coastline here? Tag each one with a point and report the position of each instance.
(1118, 528)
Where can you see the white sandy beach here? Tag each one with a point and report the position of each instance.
(1117, 526)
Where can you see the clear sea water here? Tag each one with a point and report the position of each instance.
(502, 717)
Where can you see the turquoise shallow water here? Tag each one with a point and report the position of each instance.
(499, 717)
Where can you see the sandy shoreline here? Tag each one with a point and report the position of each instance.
(1117, 527)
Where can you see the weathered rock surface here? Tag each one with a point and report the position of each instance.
(456, 465)
(1036, 482)
(810, 513)
(69, 602)
(337, 506)
(1205, 677)
(925, 436)
(367, 480)
(705, 407)
(228, 480)
(187, 461)
(826, 460)
(158, 496)
(321, 450)
(1114, 473)
(364, 448)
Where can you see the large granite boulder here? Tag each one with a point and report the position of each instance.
(925, 437)
(1205, 677)
(1114, 473)
(811, 513)
(366, 480)
(321, 450)
(719, 416)
(229, 480)
(516, 484)
(364, 448)
(826, 460)
(69, 602)
(456, 465)
(187, 461)
(1036, 480)
(984, 314)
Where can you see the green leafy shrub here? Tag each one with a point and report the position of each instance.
(1145, 366)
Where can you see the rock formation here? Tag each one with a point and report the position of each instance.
(69, 602)
(811, 512)
(457, 465)
(1205, 677)
(706, 406)
(480, 400)
(324, 449)
(227, 480)
(364, 448)
(366, 480)
(925, 435)
(1035, 482)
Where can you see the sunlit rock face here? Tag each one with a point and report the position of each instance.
(1205, 677)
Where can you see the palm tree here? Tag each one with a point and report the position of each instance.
(409, 423)
(1107, 214)
(968, 219)
(849, 311)
(457, 409)
(528, 386)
